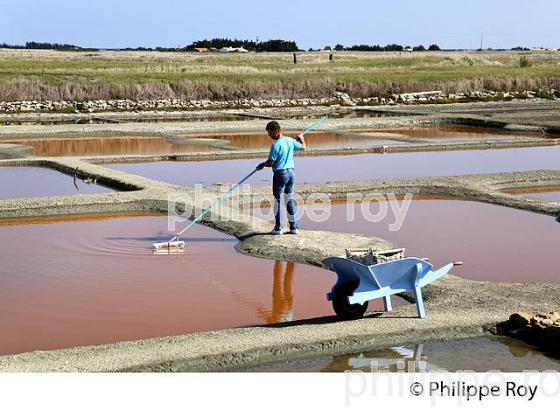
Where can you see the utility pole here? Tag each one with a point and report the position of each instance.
(481, 38)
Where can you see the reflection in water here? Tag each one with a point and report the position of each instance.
(282, 297)
(79, 146)
(481, 354)
(20, 182)
(394, 359)
(75, 182)
(313, 140)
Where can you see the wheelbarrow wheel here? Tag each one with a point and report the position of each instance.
(345, 310)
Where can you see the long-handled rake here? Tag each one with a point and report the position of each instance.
(313, 125)
(175, 242)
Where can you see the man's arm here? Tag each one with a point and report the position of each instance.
(272, 156)
(268, 163)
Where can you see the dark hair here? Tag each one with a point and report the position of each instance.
(273, 126)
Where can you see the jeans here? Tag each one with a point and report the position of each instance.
(283, 183)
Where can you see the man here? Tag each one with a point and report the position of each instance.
(281, 159)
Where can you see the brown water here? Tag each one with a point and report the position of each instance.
(77, 146)
(452, 132)
(495, 243)
(481, 354)
(97, 281)
(546, 194)
(18, 182)
(313, 140)
(355, 167)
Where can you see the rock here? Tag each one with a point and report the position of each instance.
(554, 316)
(520, 319)
(340, 94)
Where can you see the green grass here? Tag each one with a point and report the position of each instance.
(376, 70)
(57, 72)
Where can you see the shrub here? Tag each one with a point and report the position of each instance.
(544, 94)
(443, 101)
(525, 62)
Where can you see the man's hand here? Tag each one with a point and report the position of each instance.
(267, 163)
(301, 140)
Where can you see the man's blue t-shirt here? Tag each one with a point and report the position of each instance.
(282, 153)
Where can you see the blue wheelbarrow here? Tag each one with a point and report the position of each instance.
(364, 275)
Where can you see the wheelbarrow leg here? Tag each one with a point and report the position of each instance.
(419, 302)
(387, 303)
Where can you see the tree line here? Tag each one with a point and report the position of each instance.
(33, 45)
(388, 47)
(269, 45)
(276, 45)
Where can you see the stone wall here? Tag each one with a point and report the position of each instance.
(431, 97)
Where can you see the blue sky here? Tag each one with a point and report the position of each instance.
(170, 23)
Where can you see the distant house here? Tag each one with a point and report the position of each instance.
(201, 49)
(229, 49)
(544, 49)
(407, 50)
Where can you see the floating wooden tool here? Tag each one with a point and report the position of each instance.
(168, 245)
(170, 250)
